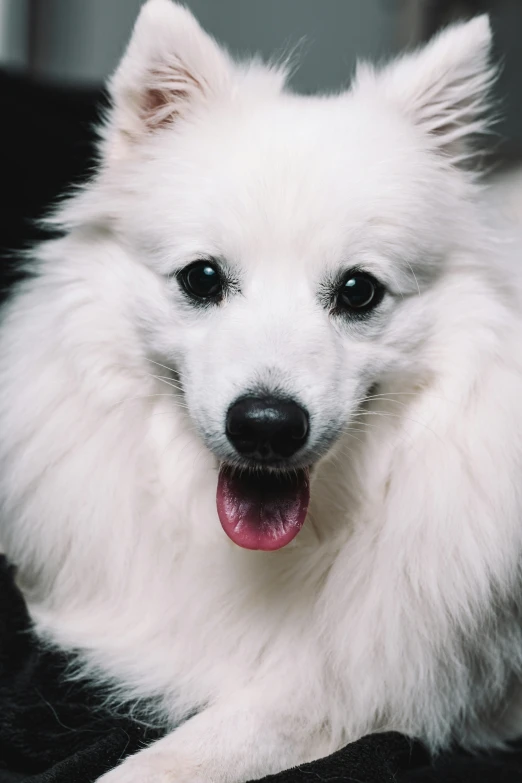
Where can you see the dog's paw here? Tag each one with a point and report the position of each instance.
(151, 767)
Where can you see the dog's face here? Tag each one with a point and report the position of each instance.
(296, 241)
(289, 258)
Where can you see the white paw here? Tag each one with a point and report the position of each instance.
(153, 767)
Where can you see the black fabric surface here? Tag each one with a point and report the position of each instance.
(52, 730)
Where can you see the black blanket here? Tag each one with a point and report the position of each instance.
(53, 730)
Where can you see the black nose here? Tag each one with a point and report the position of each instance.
(267, 428)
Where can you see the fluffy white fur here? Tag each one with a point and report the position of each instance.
(398, 605)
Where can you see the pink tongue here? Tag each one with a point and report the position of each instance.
(262, 510)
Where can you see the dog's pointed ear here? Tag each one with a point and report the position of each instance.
(171, 65)
(445, 87)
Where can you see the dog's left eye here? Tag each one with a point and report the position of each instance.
(202, 281)
(359, 292)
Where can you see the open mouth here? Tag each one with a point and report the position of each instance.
(262, 510)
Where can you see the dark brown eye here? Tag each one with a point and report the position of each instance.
(202, 281)
(359, 292)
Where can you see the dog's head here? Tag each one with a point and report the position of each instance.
(295, 241)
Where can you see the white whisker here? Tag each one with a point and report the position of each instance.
(164, 366)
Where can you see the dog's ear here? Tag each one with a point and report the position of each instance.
(171, 66)
(444, 88)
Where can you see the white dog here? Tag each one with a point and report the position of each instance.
(304, 302)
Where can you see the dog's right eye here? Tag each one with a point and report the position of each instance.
(202, 281)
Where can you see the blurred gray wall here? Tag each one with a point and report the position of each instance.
(335, 32)
(507, 25)
(81, 40)
(14, 43)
